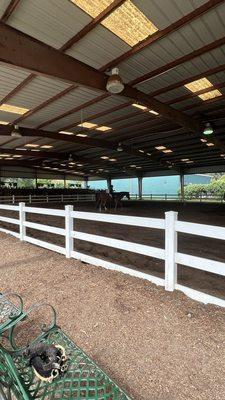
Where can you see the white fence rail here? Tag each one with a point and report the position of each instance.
(177, 197)
(169, 254)
(55, 198)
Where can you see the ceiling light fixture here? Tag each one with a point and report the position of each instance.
(167, 151)
(88, 125)
(66, 133)
(160, 148)
(114, 83)
(139, 106)
(31, 145)
(208, 129)
(103, 128)
(153, 112)
(16, 131)
(81, 135)
(119, 147)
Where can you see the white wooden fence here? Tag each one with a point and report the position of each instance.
(55, 198)
(177, 197)
(171, 225)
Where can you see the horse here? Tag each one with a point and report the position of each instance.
(104, 199)
(118, 197)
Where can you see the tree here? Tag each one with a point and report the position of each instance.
(215, 188)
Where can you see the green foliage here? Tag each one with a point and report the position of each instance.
(48, 183)
(215, 188)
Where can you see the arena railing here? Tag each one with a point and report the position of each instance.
(59, 198)
(177, 197)
(169, 254)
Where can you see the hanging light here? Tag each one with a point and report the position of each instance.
(119, 147)
(70, 158)
(114, 82)
(16, 131)
(208, 129)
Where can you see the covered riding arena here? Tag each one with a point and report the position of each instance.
(101, 91)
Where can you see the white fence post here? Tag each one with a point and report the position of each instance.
(171, 249)
(22, 217)
(69, 229)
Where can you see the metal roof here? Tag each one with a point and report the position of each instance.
(57, 104)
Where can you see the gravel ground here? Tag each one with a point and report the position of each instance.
(155, 344)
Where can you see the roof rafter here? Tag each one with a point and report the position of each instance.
(209, 5)
(17, 89)
(188, 57)
(191, 95)
(5, 130)
(73, 110)
(151, 39)
(30, 164)
(9, 10)
(46, 103)
(192, 78)
(55, 155)
(43, 59)
(89, 27)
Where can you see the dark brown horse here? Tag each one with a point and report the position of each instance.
(118, 197)
(106, 200)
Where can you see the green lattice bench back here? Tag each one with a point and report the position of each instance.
(82, 380)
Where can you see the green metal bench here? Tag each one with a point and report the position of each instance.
(83, 379)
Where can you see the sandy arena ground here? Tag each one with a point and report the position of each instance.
(213, 214)
(155, 344)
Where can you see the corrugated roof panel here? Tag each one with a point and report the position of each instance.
(4, 140)
(53, 22)
(189, 38)
(37, 91)
(98, 47)
(10, 78)
(88, 112)
(122, 113)
(73, 99)
(3, 6)
(164, 13)
(173, 94)
(185, 70)
(8, 117)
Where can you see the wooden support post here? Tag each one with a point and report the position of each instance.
(170, 250)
